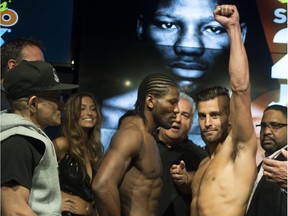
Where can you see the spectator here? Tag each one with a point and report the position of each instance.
(17, 50)
(29, 175)
(79, 153)
(12, 53)
(267, 197)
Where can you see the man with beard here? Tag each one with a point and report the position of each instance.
(268, 198)
(223, 182)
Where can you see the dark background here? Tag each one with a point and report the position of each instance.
(94, 43)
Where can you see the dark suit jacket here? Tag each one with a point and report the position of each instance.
(268, 199)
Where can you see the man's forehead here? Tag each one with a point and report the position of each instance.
(211, 105)
(212, 102)
(172, 91)
(32, 53)
(184, 105)
(273, 115)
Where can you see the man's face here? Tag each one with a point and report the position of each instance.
(187, 36)
(166, 108)
(88, 115)
(181, 126)
(48, 110)
(273, 139)
(213, 120)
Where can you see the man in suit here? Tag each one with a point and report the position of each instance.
(267, 197)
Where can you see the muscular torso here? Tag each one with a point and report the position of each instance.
(222, 184)
(141, 185)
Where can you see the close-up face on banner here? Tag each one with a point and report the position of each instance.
(111, 45)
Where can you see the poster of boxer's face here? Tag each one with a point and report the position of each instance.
(180, 37)
(120, 42)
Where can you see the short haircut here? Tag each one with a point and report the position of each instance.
(211, 93)
(278, 107)
(12, 50)
(156, 84)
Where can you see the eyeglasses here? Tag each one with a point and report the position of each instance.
(271, 125)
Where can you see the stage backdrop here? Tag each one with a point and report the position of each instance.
(114, 50)
(114, 58)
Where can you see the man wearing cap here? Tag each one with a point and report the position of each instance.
(12, 53)
(29, 176)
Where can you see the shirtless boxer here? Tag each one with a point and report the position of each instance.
(128, 181)
(223, 182)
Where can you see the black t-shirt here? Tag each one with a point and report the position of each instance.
(172, 201)
(19, 157)
(187, 151)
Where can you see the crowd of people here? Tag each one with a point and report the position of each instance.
(151, 166)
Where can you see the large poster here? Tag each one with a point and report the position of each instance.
(120, 42)
(129, 39)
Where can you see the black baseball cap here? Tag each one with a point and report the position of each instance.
(32, 77)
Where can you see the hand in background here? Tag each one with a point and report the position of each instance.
(276, 171)
(181, 177)
(179, 173)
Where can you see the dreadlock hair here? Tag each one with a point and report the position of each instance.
(213, 92)
(80, 141)
(156, 84)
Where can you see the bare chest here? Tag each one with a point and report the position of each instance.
(149, 161)
(198, 178)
